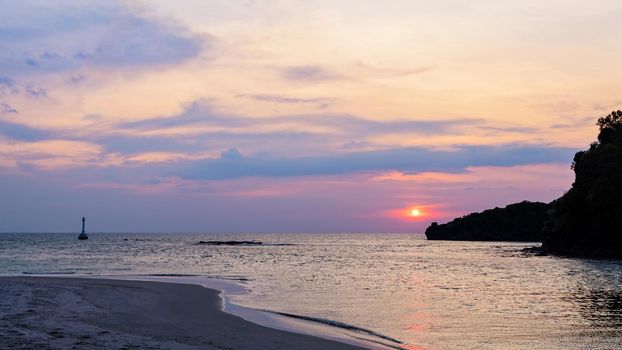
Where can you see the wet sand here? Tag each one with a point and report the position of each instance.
(75, 313)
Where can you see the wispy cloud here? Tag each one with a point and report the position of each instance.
(8, 86)
(5, 108)
(575, 124)
(34, 91)
(48, 154)
(322, 101)
(200, 115)
(387, 70)
(516, 129)
(309, 73)
(286, 145)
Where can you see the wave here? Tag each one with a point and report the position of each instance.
(49, 273)
(338, 324)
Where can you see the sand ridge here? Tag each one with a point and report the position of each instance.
(76, 313)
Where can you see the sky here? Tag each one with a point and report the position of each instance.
(294, 116)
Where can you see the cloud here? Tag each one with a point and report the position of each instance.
(408, 160)
(128, 144)
(16, 131)
(34, 91)
(312, 73)
(38, 36)
(50, 154)
(77, 78)
(275, 146)
(388, 70)
(8, 82)
(322, 101)
(5, 108)
(231, 154)
(199, 128)
(361, 126)
(516, 129)
(308, 73)
(575, 124)
(206, 122)
(8, 86)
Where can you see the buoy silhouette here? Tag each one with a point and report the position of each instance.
(83, 235)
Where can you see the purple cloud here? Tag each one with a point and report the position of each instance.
(69, 35)
(409, 160)
(5, 108)
(8, 86)
(34, 91)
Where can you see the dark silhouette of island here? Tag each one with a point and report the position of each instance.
(519, 222)
(587, 220)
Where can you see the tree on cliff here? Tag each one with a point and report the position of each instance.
(587, 220)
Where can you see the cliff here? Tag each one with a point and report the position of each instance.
(587, 220)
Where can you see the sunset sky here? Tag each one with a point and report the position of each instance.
(294, 116)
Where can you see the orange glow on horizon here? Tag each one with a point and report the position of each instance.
(418, 212)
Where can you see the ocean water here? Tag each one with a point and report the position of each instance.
(428, 294)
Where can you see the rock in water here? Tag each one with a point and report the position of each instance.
(229, 243)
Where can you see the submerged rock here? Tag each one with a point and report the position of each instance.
(229, 243)
(537, 250)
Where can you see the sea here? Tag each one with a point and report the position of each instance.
(427, 294)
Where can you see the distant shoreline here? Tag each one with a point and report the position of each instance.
(64, 312)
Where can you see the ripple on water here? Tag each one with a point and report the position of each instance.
(436, 295)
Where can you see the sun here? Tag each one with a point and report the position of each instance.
(415, 212)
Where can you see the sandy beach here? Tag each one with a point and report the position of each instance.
(75, 313)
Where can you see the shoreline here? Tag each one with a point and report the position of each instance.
(230, 289)
(283, 331)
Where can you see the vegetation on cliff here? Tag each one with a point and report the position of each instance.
(516, 222)
(587, 220)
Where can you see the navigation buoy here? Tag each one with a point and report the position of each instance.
(83, 235)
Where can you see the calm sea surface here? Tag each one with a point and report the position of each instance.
(430, 294)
